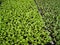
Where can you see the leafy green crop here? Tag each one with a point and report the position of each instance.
(58, 29)
(21, 24)
(50, 11)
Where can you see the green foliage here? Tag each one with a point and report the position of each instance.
(21, 24)
(58, 34)
(50, 11)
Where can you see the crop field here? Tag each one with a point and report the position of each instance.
(50, 11)
(29, 22)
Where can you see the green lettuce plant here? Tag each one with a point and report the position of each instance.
(21, 24)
